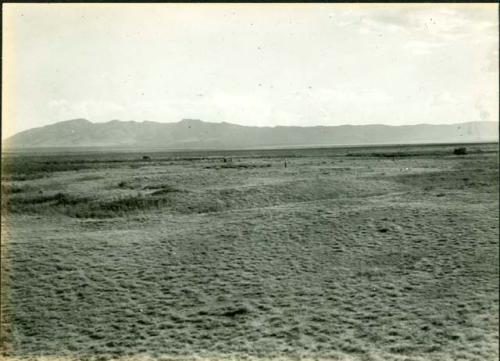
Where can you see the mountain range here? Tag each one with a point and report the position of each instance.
(197, 134)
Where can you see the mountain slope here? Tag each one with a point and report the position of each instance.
(192, 133)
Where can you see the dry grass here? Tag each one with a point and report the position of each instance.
(331, 258)
(334, 357)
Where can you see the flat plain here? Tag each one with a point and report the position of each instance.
(381, 253)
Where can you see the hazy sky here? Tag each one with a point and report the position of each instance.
(253, 64)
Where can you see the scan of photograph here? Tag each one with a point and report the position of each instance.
(250, 181)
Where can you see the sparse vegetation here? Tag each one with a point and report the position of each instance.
(333, 257)
(231, 165)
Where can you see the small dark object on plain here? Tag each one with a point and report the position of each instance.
(383, 230)
(146, 157)
(236, 312)
(460, 151)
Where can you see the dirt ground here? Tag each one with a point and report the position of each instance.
(387, 253)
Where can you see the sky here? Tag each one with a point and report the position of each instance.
(249, 64)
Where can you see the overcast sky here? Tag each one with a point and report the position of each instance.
(254, 64)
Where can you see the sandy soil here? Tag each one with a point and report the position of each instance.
(342, 255)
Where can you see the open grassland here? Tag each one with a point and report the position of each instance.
(386, 253)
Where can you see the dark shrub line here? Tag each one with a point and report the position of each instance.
(83, 207)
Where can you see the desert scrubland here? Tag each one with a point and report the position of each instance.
(382, 253)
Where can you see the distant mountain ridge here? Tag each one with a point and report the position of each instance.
(196, 134)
